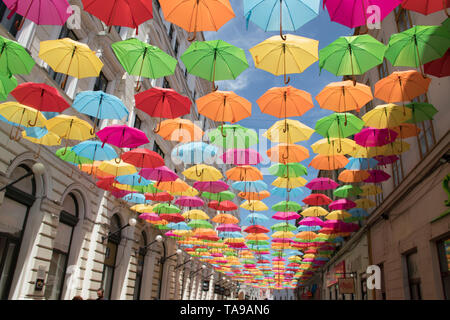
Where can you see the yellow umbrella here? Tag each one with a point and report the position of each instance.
(142, 208)
(183, 233)
(386, 116)
(116, 169)
(370, 190)
(254, 205)
(49, 139)
(395, 148)
(289, 183)
(338, 215)
(195, 215)
(190, 192)
(282, 234)
(281, 57)
(333, 146)
(71, 58)
(202, 172)
(366, 152)
(365, 203)
(125, 187)
(288, 131)
(21, 115)
(314, 212)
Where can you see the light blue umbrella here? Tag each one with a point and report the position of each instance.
(293, 14)
(229, 234)
(135, 198)
(100, 105)
(179, 226)
(133, 180)
(49, 114)
(250, 186)
(256, 218)
(308, 228)
(36, 132)
(195, 152)
(95, 150)
(282, 192)
(361, 164)
(358, 212)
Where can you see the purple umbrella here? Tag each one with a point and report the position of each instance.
(371, 137)
(228, 227)
(342, 204)
(158, 174)
(286, 216)
(311, 221)
(242, 157)
(211, 186)
(191, 202)
(384, 160)
(322, 184)
(377, 176)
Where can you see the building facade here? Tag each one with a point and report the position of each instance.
(54, 227)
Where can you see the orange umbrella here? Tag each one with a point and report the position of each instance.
(172, 186)
(287, 153)
(225, 218)
(306, 235)
(344, 96)
(401, 86)
(254, 195)
(353, 176)
(244, 173)
(321, 162)
(181, 130)
(285, 102)
(406, 130)
(257, 236)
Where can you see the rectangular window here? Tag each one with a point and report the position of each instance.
(56, 273)
(426, 138)
(12, 23)
(137, 122)
(397, 171)
(108, 268)
(413, 275)
(157, 149)
(166, 83)
(101, 83)
(443, 247)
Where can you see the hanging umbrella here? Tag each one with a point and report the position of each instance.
(311, 222)
(226, 205)
(142, 208)
(230, 227)
(386, 116)
(14, 59)
(94, 150)
(440, 67)
(134, 198)
(202, 172)
(353, 55)
(421, 112)
(404, 131)
(287, 153)
(195, 215)
(71, 58)
(143, 60)
(321, 162)
(282, 57)
(233, 136)
(250, 186)
(49, 139)
(158, 196)
(338, 214)
(288, 170)
(317, 199)
(132, 180)
(322, 184)
(124, 13)
(180, 130)
(244, 173)
(314, 212)
(165, 208)
(370, 190)
(256, 229)
(371, 137)
(358, 212)
(333, 146)
(214, 60)
(289, 183)
(159, 174)
(110, 167)
(22, 116)
(254, 205)
(220, 196)
(361, 164)
(288, 131)
(347, 191)
(195, 16)
(384, 160)
(261, 195)
(211, 186)
(377, 176)
(194, 152)
(364, 203)
(225, 218)
(7, 84)
(72, 157)
(256, 218)
(353, 176)
(274, 15)
(99, 105)
(241, 157)
(425, 7)
(344, 96)
(286, 206)
(172, 217)
(366, 152)
(69, 128)
(417, 46)
(143, 158)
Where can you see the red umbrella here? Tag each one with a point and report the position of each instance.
(119, 193)
(172, 217)
(439, 68)
(317, 199)
(39, 96)
(256, 229)
(143, 158)
(159, 196)
(426, 7)
(125, 13)
(106, 183)
(226, 205)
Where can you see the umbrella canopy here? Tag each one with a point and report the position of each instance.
(425, 7)
(322, 184)
(314, 212)
(226, 205)
(195, 215)
(122, 136)
(241, 157)
(71, 157)
(338, 215)
(321, 162)
(353, 176)
(49, 139)
(333, 146)
(180, 130)
(202, 172)
(190, 202)
(225, 218)
(94, 150)
(158, 196)
(288, 131)
(256, 229)
(289, 183)
(194, 152)
(211, 186)
(370, 190)
(440, 67)
(256, 218)
(254, 205)
(250, 186)
(70, 128)
(116, 169)
(7, 84)
(21, 115)
(339, 125)
(317, 199)
(230, 227)
(42, 12)
(220, 196)
(364, 203)
(14, 58)
(287, 153)
(286, 206)
(386, 116)
(288, 170)
(404, 130)
(165, 208)
(371, 137)
(347, 191)
(261, 195)
(342, 204)
(143, 158)
(162, 173)
(311, 221)
(244, 173)
(377, 176)
(224, 106)
(233, 136)
(421, 112)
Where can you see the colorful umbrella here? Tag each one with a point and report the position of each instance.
(321, 162)
(241, 157)
(116, 169)
(159, 174)
(338, 214)
(244, 173)
(286, 206)
(202, 172)
(440, 67)
(288, 131)
(22, 116)
(371, 137)
(94, 150)
(132, 180)
(386, 116)
(421, 112)
(195, 215)
(249, 186)
(289, 183)
(288, 170)
(211, 186)
(69, 128)
(233, 136)
(353, 176)
(180, 130)
(194, 152)
(347, 191)
(14, 59)
(425, 7)
(339, 125)
(261, 195)
(254, 205)
(287, 153)
(377, 176)
(143, 158)
(317, 199)
(364, 203)
(314, 212)
(226, 205)
(225, 218)
(361, 164)
(404, 130)
(220, 196)
(322, 184)
(7, 84)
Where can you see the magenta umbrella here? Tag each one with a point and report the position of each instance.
(228, 227)
(286, 216)
(211, 186)
(278, 259)
(282, 240)
(353, 13)
(191, 202)
(158, 174)
(384, 160)
(372, 137)
(322, 184)
(340, 226)
(119, 193)
(377, 176)
(241, 157)
(150, 216)
(41, 12)
(342, 204)
(311, 221)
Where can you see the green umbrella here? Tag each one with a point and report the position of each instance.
(286, 206)
(200, 224)
(234, 136)
(161, 227)
(417, 46)
(142, 59)
(72, 157)
(283, 226)
(7, 84)
(353, 219)
(214, 60)
(347, 191)
(258, 242)
(147, 189)
(421, 111)
(220, 196)
(14, 59)
(446, 24)
(291, 170)
(166, 208)
(352, 55)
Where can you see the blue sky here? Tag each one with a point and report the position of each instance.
(252, 83)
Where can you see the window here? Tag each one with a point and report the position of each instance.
(118, 28)
(443, 247)
(397, 171)
(137, 122)
(426, 138)
(101, 83)
(171, 30)
(413, 275)
(166, 83)
(140, 266)
(158, 149)
(176, 48)
(383, 70)
(65, 33)
(12, 23)
(110, 256)
(369, 105)
(402, 18)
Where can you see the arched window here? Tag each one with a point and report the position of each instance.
(140, 266)
(68, 219)
(110, 255)
(13, 218)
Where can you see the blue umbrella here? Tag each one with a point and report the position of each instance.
(308, 228)
(282, 192)
(36, 132)
(338, 239)
(100, 105)
(195, 152)
(94, 150)
(358, 212)
(229, 234)
(250, 186)
(49, 114)
(293, 13)
(361, 164)
(179, 226)
(135, 198)
(133, 180)
(256, 218)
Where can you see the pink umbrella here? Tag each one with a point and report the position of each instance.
(228, 227)
(191, 202)
(342, 204)
(371, 137)
(41, 12)
(308, 260)
(149, 216)
(384, 160)
(311, 221)
(119, 193)
(353, 13)
(340, 226)
(158, 174)
(241, 157)
(216, 255)
(282, 240)
(377, 176)
(286, 216)
(278, 259)
(122, 136)
(171, 234)
(322, 184)
(211, 186)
